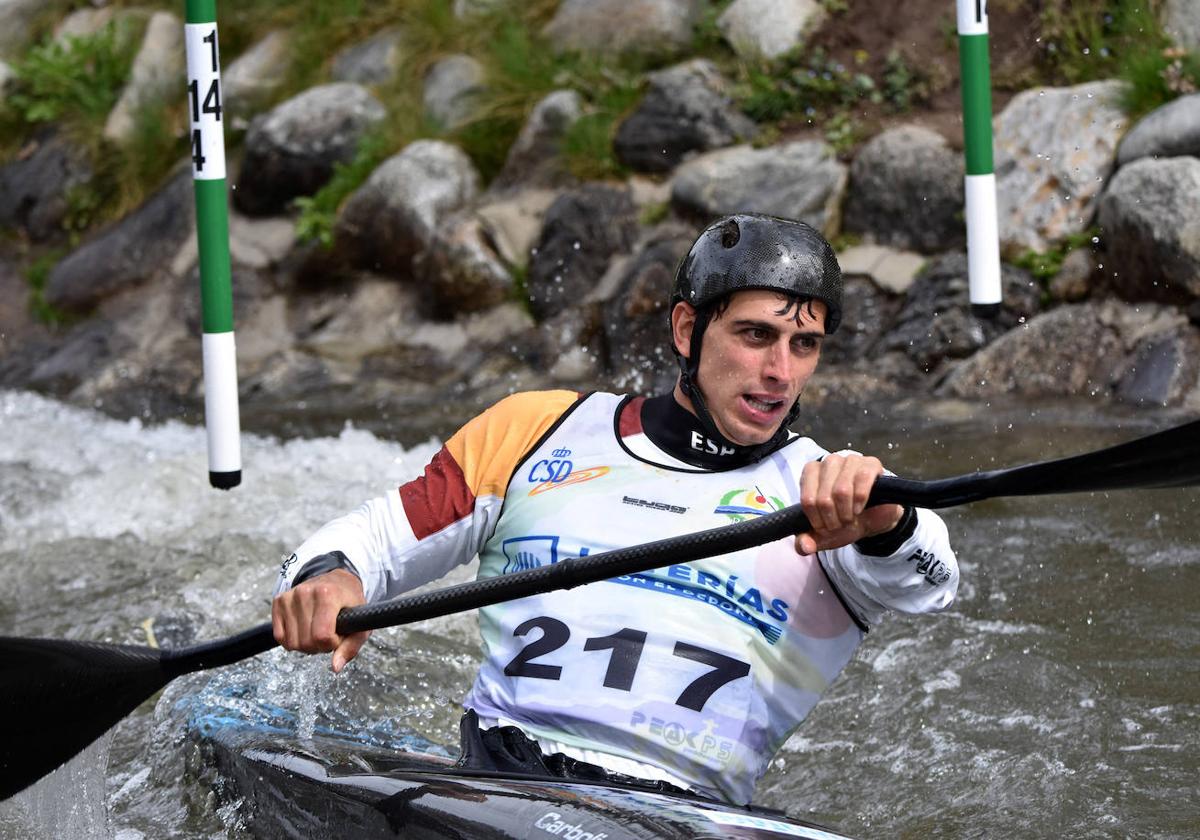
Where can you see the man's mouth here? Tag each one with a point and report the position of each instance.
(765, 406)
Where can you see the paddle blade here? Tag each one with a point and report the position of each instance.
(56, 697)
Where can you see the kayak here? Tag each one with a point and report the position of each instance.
(374, 784)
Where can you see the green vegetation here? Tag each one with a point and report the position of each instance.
(1092, 39)
(1046, 265)
(37, 274)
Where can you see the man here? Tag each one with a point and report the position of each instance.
(693, 675)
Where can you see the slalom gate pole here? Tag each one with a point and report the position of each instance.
(983, 235)
(212, 232)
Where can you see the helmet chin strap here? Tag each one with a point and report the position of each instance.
(690, 385)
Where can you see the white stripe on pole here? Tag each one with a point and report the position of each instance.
(983, 240)
(204, 100)
(221, 403)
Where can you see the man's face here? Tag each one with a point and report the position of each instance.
(756, 358)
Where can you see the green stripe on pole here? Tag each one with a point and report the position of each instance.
(977, 103)
(201, 11)
(212, 227)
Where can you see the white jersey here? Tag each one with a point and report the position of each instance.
(699, 669)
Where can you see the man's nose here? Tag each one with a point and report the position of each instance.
(778, 363)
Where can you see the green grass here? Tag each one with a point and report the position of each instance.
(1045, 265)
(36, 275)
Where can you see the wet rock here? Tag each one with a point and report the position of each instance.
(84, 351)
(461, 268)
(889, 269)
(17, 324)
(686, 109)
(769, 28)
(7, 75)
(650, 27)
(35, 187)
(1144, 354)
(535, 159)
(253, 79)
(800, 180)
(371, 62)
(291, 151)
(1168, 131)
(1054, 148)
(906, 190)
(584, 229)
(393, 216)
(129, 252)
(867, 313)
(936, 323)
(570, 347)
(638, 348)
(513, 221)
(453, 88)
(1150, 215)
(154, 76)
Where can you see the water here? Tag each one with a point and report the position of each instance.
(1060, 696)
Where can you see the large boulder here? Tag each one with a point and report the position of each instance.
(454, 86)
(535, 158)
(154, 77)
(291, 150)
(799, 180)
(1054, 149)
(867, 314)
(253, 79)
(395, 214)
(906, 191)
(758, 29)
(1150, 217)
(35, 186)
(461, 269)
(687, 109)
(936, 322)
(651, 27)
(129, 252)
(1140, 354)
(583, 231)
(1168, 131)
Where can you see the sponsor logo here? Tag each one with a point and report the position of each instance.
(287, 563)
(702, 444)
(663, 506)
(741, 504)
(531, 552)
(934, 570)
(560, 478)
(553, 823)
(705, 741)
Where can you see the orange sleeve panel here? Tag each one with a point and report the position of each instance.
(479, 459)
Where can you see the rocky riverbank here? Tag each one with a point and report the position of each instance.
(444, 289)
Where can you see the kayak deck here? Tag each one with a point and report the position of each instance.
(333, 785)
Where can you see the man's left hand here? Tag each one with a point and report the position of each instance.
(833, 495)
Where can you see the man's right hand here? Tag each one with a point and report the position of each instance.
(305, 618)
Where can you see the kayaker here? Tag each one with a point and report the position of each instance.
(694, 674)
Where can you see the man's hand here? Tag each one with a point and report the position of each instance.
(305, 618)
(833, 494)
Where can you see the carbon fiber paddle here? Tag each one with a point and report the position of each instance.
(57, 696)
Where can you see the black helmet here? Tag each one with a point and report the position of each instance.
(752, 251)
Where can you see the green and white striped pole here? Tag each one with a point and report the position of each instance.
(983, 233)
(212, 230)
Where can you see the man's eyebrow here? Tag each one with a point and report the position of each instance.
(767, 325)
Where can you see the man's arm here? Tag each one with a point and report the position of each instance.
(881, 558)
(413, 535)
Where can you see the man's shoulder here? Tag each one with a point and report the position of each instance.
(526, 404)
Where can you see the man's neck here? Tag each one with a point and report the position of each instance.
(673, 426)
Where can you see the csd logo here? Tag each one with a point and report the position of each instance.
(553, 469)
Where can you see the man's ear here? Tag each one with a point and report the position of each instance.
(683, 320)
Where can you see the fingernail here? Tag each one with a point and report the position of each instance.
(338, 664)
